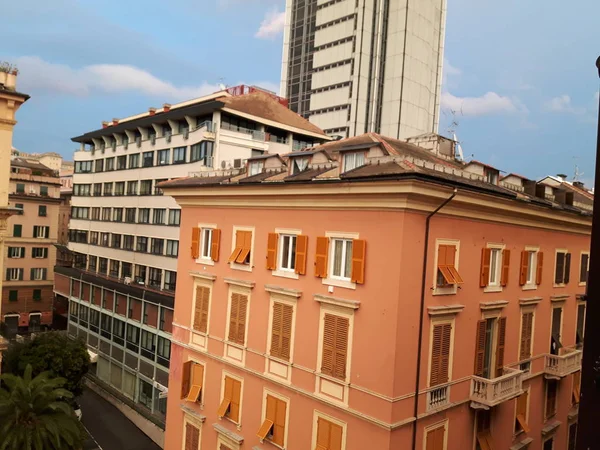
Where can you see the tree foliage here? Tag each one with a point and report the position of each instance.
(35, 414)
(53, 352)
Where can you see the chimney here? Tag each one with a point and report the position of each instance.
(105, 124)
(561, 176)
(579, 184)
(115, 122)
(166, 107)
(151, 111)
(8, 76)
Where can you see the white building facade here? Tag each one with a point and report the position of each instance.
(356, 66)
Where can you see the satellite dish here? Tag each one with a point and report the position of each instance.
(222, 86)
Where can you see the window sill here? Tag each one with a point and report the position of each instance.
(339, 283)
(445, 290)
(582, 283)
(242, 267)
(205, 261)
(529, 287)
(285, 274)
(561, 285)
(492, 289)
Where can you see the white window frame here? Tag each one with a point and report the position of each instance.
(187, 418)
(583, 283)
(291, 252)
(331, 280)
(351, 160)
(244, 267)
(16, 255)
(315, 427)
(343, 266)
(202, 258)
(280, 271)
(276, 368)
(206, 241)
(453, 288)
(14, 277)
(296, 164)
(41, 229)
(530, 283)
(255, 167)
(497, 274)
(263, 415)
(38, 273)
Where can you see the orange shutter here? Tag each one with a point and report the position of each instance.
(480, 348)
(327, 363)
(286, 331)
(359, 248)
(279, 422)
(270, 416)
(435, 439)
(234, 407)
(341, 347)
(241, 337)
(215, 246)
(484, 275)
(245, 241)
(526, 330)
(276, 330)
(524, 267)
(185, 378)
(321, 257)
(440, 354)
(540, 266)
(329, 435)
(301, 253)
(576, 386)
(505, 267)
(201, 312)
(195, 242)
(227, 394)
(272, 251)
(239, 244)
(233, 316)
(500, 346)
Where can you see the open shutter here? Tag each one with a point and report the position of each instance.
(241, 336)
(279, 422)
(539, 269)
(321, 257)
(484, 275)
(32, 274)
(272, 251)
(233, 317)
(524, 268)
(341, 347)
(480, 348)
(21, 274)
(359, 248)
(500, 346)
(301, 253)
(227, 394)
(576, 386)
(328, 344)
(286, 331)
(270, 417)
(276, 330)
(522, 411)
(239, 244)
(185, 378)
(215, 245)
(195, 242)
(567, 277)
(505, 267)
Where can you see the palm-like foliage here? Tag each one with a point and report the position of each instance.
(34, 414)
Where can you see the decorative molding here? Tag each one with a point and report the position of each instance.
(242, 283)
(444, 310)
(282, 291)
(550, 428)
(192, 413)
(498, 304)
(203, 275)
(530, 300)
(230, 434)
(336, 301)
(522, 445)
(559, 298)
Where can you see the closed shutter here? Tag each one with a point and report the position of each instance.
(241, 336)
(526, 332)
(435, 439)
(276, 410)
(359, 249)
(281, 332)
(500, 346)
(186, 378)
(329, 435)
(484, 275)
(47, 233)
(335, 346)
(21, 274)
(192, 437)
(559, 275)
(327, 363)
(505, 267)
(32, 274)
(286, 332)
(233, 316)
(480, 348)
(539, 269)
(215, 246)
(440, 354)
(567, 276)
(201, 309)
(321, 256)
(195, 249)
(301, 254)
(272, 251)
(524, 268)
(276, 330)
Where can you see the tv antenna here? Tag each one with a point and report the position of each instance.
(452, 131)
(577, 175)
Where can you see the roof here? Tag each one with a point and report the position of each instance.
(4, 90)
(516, 175)
(487, 166)
(34, 165)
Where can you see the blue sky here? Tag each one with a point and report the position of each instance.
(519, 75)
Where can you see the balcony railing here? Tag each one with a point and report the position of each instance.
(558, 366)
(493, 391)
(438, 397)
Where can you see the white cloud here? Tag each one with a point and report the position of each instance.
(39, 75)
(489, 103)
(562, 104)
(272, 25)
(449, 72)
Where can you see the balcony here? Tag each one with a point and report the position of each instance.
(486, 393)
(559, 366)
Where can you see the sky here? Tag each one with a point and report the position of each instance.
(520, 86)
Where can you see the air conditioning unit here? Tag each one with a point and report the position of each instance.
(237, 163)
(223, 164)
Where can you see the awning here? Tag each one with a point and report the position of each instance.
(93, 356)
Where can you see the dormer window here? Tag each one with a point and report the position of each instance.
(353, 160)
(491, 176)
(299, 164)
(255, 167)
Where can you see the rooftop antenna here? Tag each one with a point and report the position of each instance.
(222, 85)
(452, 130)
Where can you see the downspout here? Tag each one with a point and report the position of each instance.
(422, 312)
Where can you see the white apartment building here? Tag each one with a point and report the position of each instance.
(124, 233)
(356, 66)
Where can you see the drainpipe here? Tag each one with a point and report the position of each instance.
(422, 312)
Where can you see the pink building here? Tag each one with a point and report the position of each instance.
(307, 316)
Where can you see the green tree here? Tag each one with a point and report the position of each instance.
(53, 352)
(35, 414)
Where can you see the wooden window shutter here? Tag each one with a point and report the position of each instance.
(243, 306)
(327, 363)
(276, 330)
(341, 347)
(186, 378)
(526, 331)
(576, 386)
(559, 274)
(192, 437)
(245, 244)
(233, 316)
(215, 245)
(236, 394)
(500, 343)
(269, 421)
(197, 379)
(227, 394)
(239, 243)
(567, 276)
(359, 248)
(272, 240)
(480, 348)
(524, 268)
(484, 276)
(195, 242)
(201, 309)
(279, 422)
(329, 435)
(440, 354)
(286, 331)
(539, 268)
(505, 267)
(435, 439)
(522, 411)
(301, 254)
(321, 257)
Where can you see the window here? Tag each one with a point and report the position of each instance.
(155, 279)
(157, 246)
(287, 252)
(439, 373)
(144, 215)
(118, 215)
(108, 189)
(551, 391)
(192, 381)
(126, 269)
(17, 230)
(38, 274)
(335, 346)
(83, 166)
(13, 296)
(106, 214)
(121, 162)
(110, 164)
(435, 438)
(42, 210)
(526, 339)
(353, 160)
(132, 337)
(555, 339)
(99, 165)
(14, 274)
(341, 266)
(95, 213)
(255, 167)
(341, 263)
(16, 252)
(491, 176)
(148, 159)
(531, 268)
(104, 239)
(172, 248)
(97, 189)
(157, 189)
(584, 267)
(483, 435)
(132, 187)
(142, 244)
(159, 216)
(299, 164)
(78, 212)
(103, 266)
(130, 215)
(120, 188)
(243, 246)
(92, 261)
(148, 345)
(580, 327)
(179, 155)
(281, 331)
(134, 161)
(20, 188)
(329, 435)
(41, 232)
(202, 151)
(146, 187)
(127, 242)
(494, 267)
(273, 425)
(201, 304)
(116, 241)
(522, 405)
(563, 268)
(237, 318)
(174, 216)
(230, 405)
(170, 280)
(82, 190)
(207, 237)
(19, 206)
(447, 274)
(489, 332)
(38, 252)
(163, 157)
(94, 237)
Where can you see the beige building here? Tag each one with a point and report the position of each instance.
(30, 255)
(356, 66)
(10, 101)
